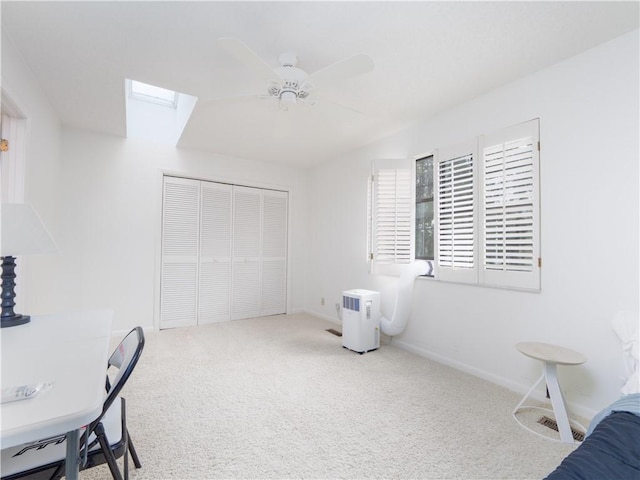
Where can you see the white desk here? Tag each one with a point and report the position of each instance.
(71, 351)
(551, 356)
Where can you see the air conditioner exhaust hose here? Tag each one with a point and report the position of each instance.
(404, 295)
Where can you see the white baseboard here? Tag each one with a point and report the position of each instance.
(122, 333)
(577, 409)
(328, 318)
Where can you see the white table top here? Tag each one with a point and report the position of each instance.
(71, 351)
(551, 353)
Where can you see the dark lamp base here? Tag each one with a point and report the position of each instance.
(15, 320)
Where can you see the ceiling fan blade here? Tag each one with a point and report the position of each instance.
(335, 73)
(244, 54)
(323, 99)
(232, 99)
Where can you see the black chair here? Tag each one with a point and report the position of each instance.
(104, 440)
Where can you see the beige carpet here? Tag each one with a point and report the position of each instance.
(278, 397)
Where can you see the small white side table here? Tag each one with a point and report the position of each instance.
(551, 356)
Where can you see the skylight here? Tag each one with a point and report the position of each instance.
(153, 94)
(156, 114)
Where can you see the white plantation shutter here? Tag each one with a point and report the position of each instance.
(456, 214)
(392, 225)
(274, 253)
(247, 241)
(180, 225)
(510, 207)
(215, 252)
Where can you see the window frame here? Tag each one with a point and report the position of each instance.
(430, 158)
(522, 248)
(514, 276)
(148, 95)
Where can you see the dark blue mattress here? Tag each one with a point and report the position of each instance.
(610, 452)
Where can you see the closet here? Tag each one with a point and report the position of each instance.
(224, 252)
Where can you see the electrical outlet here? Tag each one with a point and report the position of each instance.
(322, 301)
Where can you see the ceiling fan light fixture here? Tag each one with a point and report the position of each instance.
(287, 99)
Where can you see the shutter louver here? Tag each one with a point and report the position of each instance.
(215, 253)
(274, 253)
(274, 232)
(180, 226)
(508, 212)
(510, 238)
(178, 306)
(246, 223)
(247, 226)
(274, 277)
(246, 290)
(456, 212)
(393, 218)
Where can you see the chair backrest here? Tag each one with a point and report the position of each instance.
(123, 359)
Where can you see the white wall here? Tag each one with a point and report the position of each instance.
(588, 108)
(42, 169)
(111, 200)
(100, 198)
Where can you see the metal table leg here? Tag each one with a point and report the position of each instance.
(72, 465)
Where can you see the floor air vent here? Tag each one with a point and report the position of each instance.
(551, 423)
(335, 332)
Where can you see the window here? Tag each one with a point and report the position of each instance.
(153, 94)
(456, 213)
(156, 114)
(488, 208)
(391, 200)
(510, 249)
(474, 214)
(424, 218)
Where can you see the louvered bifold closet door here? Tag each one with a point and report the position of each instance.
(456, 213)
(215, 253)
(274, 253)
(510, 230)
(247, 242)
(179, 274)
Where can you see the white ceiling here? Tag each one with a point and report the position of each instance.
(429, 56)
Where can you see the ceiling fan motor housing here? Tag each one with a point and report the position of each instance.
(293, 84)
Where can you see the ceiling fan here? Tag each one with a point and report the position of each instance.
(289, 84)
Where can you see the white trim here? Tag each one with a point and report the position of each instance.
(118, 334)
(228, 180)
(328, 318)
(414, 159)
(516, 387)
(15, 128)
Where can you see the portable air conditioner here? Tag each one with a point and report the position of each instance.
(360, 320)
